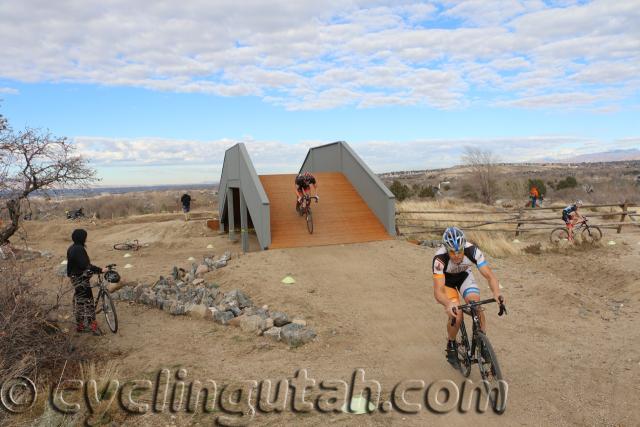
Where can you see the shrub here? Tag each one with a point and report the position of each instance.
(568, 182)
(427, 191)
(400, 190)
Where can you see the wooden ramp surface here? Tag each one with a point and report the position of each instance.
(342, 216)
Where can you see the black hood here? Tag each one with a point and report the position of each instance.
(79, 236)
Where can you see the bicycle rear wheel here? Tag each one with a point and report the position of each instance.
(309, 221)
(490, 372)
(558, 235)
(122, 246)
(464, 350)
(109, 309)
(592, 234)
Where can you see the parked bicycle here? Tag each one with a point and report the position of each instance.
(304, 209)
(104, 303)
(588, 233)
(480, 351)
(129, 245)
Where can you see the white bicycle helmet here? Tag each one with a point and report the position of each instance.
(578, 203)
(453, 239)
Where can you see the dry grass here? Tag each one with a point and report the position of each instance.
(31, 342)
(496, 244)
(110, 206)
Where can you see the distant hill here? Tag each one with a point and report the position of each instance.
(606, 156)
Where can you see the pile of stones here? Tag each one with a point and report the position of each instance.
(186, 293)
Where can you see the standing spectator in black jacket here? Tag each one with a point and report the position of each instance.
(186, 205)
(77, 264)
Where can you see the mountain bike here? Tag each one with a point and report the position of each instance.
(589, 233)
(480, 351)
(104, 302)
(304, 209)
(128, 245)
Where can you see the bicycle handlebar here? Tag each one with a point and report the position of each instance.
(503, 308)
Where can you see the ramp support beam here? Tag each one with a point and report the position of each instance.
(230, 214)
(244, 224)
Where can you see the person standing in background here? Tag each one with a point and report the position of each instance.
(534, 195)
(186, 205)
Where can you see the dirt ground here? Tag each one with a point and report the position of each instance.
(568, 347)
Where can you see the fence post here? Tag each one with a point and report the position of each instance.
(623, 216)
(520, 215)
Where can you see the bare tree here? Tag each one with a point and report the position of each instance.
(483, 165)
(34, 160)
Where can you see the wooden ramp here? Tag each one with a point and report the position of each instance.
(342, 216)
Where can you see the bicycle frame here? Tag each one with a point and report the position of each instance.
(472, 309)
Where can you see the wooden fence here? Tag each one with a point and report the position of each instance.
(525, 220)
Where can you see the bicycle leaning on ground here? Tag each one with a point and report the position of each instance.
(304, 209)
(588, 233)
(104, 303)
(129, 245)
(480, 351)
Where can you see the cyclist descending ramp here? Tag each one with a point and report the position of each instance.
(341, 216)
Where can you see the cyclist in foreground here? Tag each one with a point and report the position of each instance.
(77, 264)
(304, 181)
(452, 277)
(570, 216)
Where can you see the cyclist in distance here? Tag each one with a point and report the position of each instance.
(304, 181)
(452, 277)
(570, 216)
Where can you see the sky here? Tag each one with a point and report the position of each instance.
(155, 92)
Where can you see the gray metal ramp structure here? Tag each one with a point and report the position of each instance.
(244, 203)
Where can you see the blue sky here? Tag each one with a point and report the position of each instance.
(154, 93)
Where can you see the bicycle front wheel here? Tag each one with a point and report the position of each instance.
(592, 234)
(122, 246)
(490, 372)
(558, 235)
(109, 309)
(309, 221)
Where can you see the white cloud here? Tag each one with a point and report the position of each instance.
(9, 90)
(319, 55)
(129, 156)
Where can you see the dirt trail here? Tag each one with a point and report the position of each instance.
(568, 348)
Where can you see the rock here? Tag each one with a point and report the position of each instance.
(177, 309)
(175, 273)
(197, 282)
(137, 291)
(252, 324)
(225, 257)
(210, 263)
(236, 298)
(220, 264)
(295, 334)
(279, 318)
(199, 311)
(264, 314)
(222, 317)
(61, 270)
(273, 333)
(188, 277)
(46, 254)
(236, 311)
(194, 267)
(300, 322)
(268, 323)
(127, 293)
(202, 269)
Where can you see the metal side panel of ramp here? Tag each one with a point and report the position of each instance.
(342, 216)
